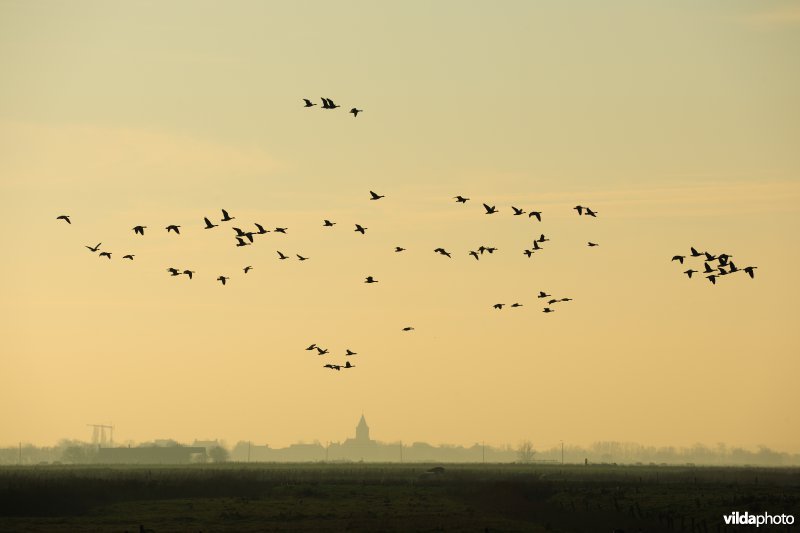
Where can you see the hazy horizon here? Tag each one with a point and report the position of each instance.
(677, 123)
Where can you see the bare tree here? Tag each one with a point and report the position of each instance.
(525, 452)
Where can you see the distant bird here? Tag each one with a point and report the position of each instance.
(312, 347)
(551, 302)
(174, 271)
(537, 214)
(189, 273)
(460, 199)
(708, 269)
(348, 365)
(695, 253)
(301, 258)
(517, 211)
(328, 223)
(322, 351)
(223, 279)
(710, 257)
(712, 278)
(247, 269)
(359, 228)
(679, 258)
(105, 254)
(370, 279)
(579, 209)
(375, 196)
(536, 246)
(733, 267)
(722, 271)
(96, 247)
(690, 272)
(139, 230)
(249, 235)
(543, 294)
(332, 366)
(593, 244)
(327, 103)
(565, 300)
(490, 210)
(209, 225)
(240, 242)
(723, 258)
(281, 256)
(308, 102)
(590, 212)
(548, 310)
(408, 328)
(280, 230)
(516, 304)
(350, 352)
(261, 230)
(491, 249)
(64, 218)
(542, 238)
(442, 251)
(399, 249)
(355, 112)
(529, 253)
(239, 232)
(474, 254)
(498, 306)
(750, 270)
(129, 256)
(226, 217)
(173, 227)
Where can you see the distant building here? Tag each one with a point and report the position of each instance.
(151, 455)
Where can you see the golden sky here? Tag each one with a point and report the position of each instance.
(677, 122)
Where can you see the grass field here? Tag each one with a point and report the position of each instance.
(391, 497)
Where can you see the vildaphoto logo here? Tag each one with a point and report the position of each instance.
(765, 519)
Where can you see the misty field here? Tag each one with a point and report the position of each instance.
(390, 497)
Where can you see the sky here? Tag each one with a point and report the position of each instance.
(677, 122)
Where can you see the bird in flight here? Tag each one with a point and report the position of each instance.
(280, 230)
(579, 209)
(593, 244)
(64, 218)
(690, 272)
(327, 103)
(516, 304)
(240, 242)
(543, 294)
(750, 270)
(375, 196)
(313, 346)
(223, 279)
(548, 310)
(226, 217)
(332, 366)
(529, 253)
(247, 269)
(281, 256)
(348, 365)
(474, 254)
(710, 257)
(350, 352)
(590, 212)
(517, 211)
(355, 112)
(708, 269)
(399, 249)
(695, 253)
(551, 302)
(95, 248)
(174, 271)
(301, 258)
(362, 230)
(129, 256)
(542, 238)
(490, 210)
(328, 223)
(308, 102)
(408, 328)
(712, 278)
(679, 258)
(189, 273)
(460, 199)
(209, 225)
(565, 300)
(322, 351)
(537, 214)
(261, 230)
(442, 251)
(105, 254)
(370, 279)
(498, 306)
(139, 230)
(173, 227)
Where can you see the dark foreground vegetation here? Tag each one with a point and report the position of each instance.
(392, 497)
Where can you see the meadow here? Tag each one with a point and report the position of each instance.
(391, 497)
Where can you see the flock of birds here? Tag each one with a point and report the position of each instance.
(327, 103)
(247, 238)
(724, 265)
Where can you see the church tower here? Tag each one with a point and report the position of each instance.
(362, 430)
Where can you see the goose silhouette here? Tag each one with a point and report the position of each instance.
(490, 209)
(460, 199)
(97, 247)
(226, 217)
(65, 218)
(139, 230)
(209, 225)
(375, 196)
(175, 228)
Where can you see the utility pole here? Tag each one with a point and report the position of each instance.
(20, 453)
(562, 453)
(248, 450)
(401, 452)
(483, 452)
